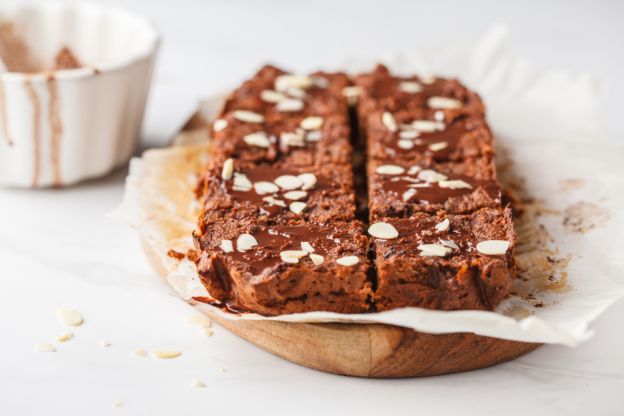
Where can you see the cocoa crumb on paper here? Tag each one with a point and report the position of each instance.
(582, 217)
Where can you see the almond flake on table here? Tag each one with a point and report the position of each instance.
(292, 256)
(200, 320)
(389, 122)
(258, 139)
(316, 259)
(248, 116)
(139, 352)
(295, 195)
(308, 180)
(70, 317)
(44, 347)
(348, 261)
(443, 225)
(284, 82)
(165, 354)
(117, 405)
(312, 123)
(437, 250)
(228, 169)
(434, 147)
(64, 336)
(245, 242)
(383, 230)
(105, 344)
(444, 103)
(410, 87)
(297, 207)
(454, 184)
(219, 124)
(207, 331)
(493, 247)
(307, 247)
(271, 96)
(288, 182)
(226, 246)
(265, 187)
(198, 384)
(290, 105)
(389, 170)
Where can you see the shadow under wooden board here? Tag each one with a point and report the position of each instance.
(362, 350)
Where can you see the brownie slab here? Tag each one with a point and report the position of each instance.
(279, 193)
(400, 189)
(436, 268)
(277, 269)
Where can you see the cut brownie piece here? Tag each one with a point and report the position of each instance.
(436, 262)
(297, 140)
(462, 138)
(399, 189)
(425, 96)
(278, 192)
(276, 269)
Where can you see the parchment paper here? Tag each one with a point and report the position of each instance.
(554, 160)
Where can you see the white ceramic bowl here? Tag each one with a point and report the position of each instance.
(61, 127)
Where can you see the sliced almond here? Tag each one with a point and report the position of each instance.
(312, 123)
(351, 94)
(297, 207)
(413, 170)
(405, 144)
(198, 384)
(409, 134)
(201, 321)
(407, 195)
(454, 184)
(389, 170)
(292, 139)
(70, 317)
(258, 139)
(410, 87)
(245, 241)
(493, 247)
(290, 105)
(295, 92)
(274, 201)
(383, 230)
(207, 331)
(450, 244)
(295, 195)
(348, 260)
(226, 246)
(320, 82)
(292, 256)
(444, 103)
(44, 347)
(433, 250)
(64, 336)
(443, 225)
(316, 259)
(219, 124)
(438, 116)
(308, 180)
(271, 96)
(241, 182)
(248, 116)
(431, 176)
(314, 135)
(288, 182)
(228, 169)
(165, 354)
(139, 352)
(307, 247)
(104, 343)
(284, 82)
(388, 120)
(434, 147)
(264, 187)
(427, 79)
(427, 126)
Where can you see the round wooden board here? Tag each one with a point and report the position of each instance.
(369, 350)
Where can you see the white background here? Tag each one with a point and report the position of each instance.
(58, 249)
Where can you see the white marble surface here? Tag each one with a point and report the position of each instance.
(57, 248)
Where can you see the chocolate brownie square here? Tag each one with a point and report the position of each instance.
(447, 261)
(272, 269)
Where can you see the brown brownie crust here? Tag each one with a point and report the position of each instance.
(462, 279)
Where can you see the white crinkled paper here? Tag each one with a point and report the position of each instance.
(546, 121)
